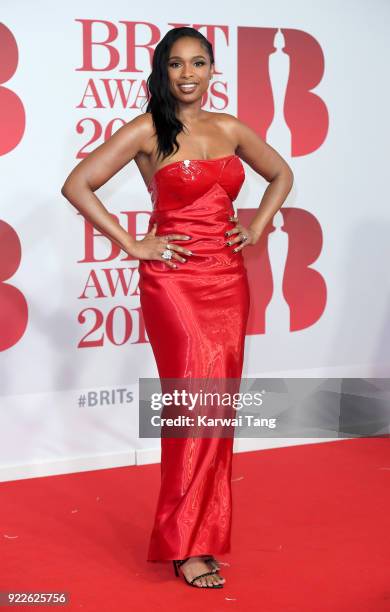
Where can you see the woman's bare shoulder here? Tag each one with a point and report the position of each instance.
(132, 140)
(224, 119)
(142, 128)
(143, 119)
(227, 123)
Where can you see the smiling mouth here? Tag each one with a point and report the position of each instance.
(187, 87)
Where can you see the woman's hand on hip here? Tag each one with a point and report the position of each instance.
(240, 236)
(153, 246)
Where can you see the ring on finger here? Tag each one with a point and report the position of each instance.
(167, 254)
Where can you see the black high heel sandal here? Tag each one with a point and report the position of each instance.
(177, 563)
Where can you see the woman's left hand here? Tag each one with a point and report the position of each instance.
(241, 231)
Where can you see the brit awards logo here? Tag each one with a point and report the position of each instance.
(277, 72)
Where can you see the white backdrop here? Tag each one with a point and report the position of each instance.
(322, 102)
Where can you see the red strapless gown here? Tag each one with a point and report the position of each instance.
(195, 317)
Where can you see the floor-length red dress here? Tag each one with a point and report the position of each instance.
(195, 317)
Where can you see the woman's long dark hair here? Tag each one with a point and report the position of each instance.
(161, 102)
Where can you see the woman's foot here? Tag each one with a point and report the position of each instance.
(195, 566)
(211, 562)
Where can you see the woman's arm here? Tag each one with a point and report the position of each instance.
(96, 169)
(269, 164)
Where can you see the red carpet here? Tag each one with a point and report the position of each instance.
(311, 533)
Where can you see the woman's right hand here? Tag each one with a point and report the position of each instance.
(152, 247)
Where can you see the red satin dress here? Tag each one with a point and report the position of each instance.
(195, 317)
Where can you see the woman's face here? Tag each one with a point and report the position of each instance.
(189, 69)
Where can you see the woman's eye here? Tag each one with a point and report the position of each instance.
(173, 64)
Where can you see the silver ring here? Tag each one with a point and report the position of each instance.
(244, 237)
(167, 254)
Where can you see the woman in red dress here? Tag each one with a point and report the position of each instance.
(193, 283)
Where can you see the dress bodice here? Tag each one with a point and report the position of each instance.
(182, 182)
